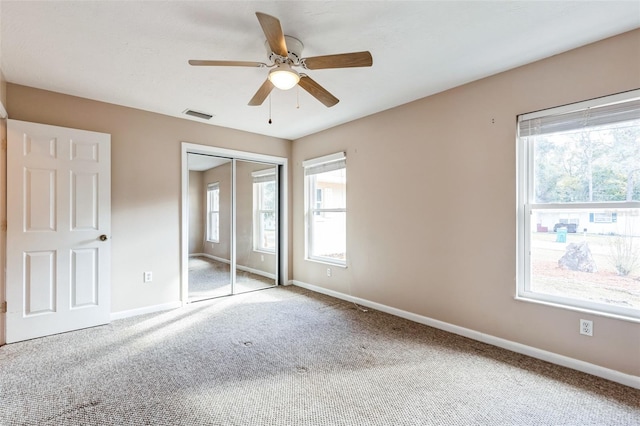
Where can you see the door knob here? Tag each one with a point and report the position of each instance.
(103, 237)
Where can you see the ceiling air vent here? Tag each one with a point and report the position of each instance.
(197, 114)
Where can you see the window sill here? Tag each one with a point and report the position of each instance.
(327, 262)
(578, 309)
(272, 252)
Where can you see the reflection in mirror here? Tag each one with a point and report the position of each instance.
(256, 226)
(211, 226)
(210, 186)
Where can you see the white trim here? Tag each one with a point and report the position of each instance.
(271, 171)
(610, 99)
(256, 272)
(324, 261)
(146, 310)
(324, 159)
(283, 211)
(327, 261)
(595, 205)
(575, 364)
(525, 166)
(3, 111)
(210, 256)
(233, 251)
(576, 308)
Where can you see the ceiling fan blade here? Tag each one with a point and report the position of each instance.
(262, 93)
(196, 62)
(273, 31)
(342, 60)
(317, 91)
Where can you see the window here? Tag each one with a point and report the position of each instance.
(326, 208)
(264, 210)
(579, 205)
(213, 212)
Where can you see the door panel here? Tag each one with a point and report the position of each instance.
(40, 200)
(244, 257)
(209, 269)
(84, 277)
(256, 226)
(84, 203)
(58, 206)
(39, 282)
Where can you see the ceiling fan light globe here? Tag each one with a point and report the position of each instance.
(283, 77)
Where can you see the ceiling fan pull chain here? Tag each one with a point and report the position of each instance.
(297, 97)
(269, 109)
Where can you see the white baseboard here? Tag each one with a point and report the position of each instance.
(575, 364)
(240, 267)
(257, 272)
(145, 310)
(210, 256)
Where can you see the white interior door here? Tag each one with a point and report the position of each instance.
(58, 232)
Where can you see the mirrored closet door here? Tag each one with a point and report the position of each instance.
(233, 226)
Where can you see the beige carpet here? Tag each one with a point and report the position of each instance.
(210, 278)
(286, 356)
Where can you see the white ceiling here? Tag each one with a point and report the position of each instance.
(135, 53)
(201, 162)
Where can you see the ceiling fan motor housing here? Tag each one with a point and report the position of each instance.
(294, 50)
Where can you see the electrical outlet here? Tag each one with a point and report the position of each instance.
(262, 258)
(586, 327)
(148, 277)
(328, 272)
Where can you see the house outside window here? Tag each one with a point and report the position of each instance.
(213, 212)
(579, 206)
(326, 208)
(264, 210)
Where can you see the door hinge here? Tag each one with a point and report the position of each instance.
(3, 308)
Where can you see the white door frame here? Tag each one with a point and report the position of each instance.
(3, 219)
(283, 233)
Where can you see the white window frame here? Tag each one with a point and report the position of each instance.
(313, 166)
(211, 189)
(261, 177)
(525, 205)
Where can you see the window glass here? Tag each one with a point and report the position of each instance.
(579, 173)
(265, 213)
(213, 212)
(326, 184)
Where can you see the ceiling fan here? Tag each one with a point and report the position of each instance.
(284, 53)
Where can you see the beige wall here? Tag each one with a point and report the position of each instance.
(431, 199)
(196, 211)
(145, 177)
(245, 255)
(442, 168)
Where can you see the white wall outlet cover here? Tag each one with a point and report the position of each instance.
(586, 327)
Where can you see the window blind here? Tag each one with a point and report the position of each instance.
(583, 118)
(260, 176)
(325, 164)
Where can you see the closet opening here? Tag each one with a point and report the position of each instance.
(233, 222)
